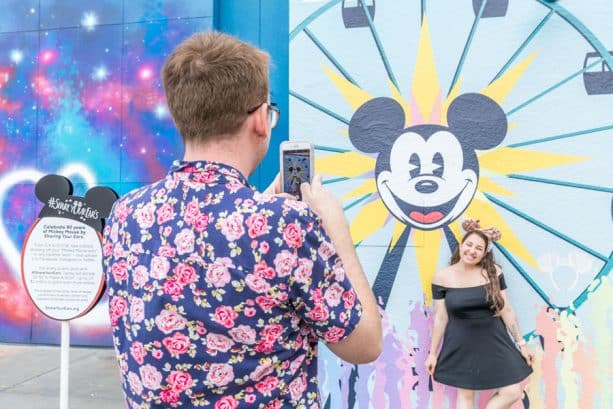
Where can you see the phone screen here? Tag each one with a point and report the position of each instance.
(296, 170)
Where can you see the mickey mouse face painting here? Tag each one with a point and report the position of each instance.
(427, 174)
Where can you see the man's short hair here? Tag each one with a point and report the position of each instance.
(211, 81)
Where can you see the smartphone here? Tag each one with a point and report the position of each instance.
(296, 165)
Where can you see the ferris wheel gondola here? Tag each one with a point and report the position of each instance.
(493, 8)
(354, 12)
(600, 81)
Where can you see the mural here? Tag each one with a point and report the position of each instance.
(80, 95)
(426, 112)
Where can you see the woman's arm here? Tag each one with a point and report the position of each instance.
(510, 321)
(440, 323)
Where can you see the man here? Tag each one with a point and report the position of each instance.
(219, 293)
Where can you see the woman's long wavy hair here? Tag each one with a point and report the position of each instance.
(489, 266)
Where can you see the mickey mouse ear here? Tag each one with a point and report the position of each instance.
(102, 199)
(52, 185)
(375, 124)
(477, 120)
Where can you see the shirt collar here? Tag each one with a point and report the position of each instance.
(216, 170)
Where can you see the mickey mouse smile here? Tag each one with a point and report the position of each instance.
(426, 214)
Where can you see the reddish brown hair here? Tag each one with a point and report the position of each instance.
(488, 265)
(211, 81)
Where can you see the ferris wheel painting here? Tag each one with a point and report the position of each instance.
(427, 112)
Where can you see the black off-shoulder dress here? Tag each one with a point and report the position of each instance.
(477, 351)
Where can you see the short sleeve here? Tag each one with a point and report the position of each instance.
(438, 292)
(319, 289)
(503, 284)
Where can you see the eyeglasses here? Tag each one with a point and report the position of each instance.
(273, 112)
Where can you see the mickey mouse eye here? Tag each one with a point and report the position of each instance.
(414, 165)
(439, 165)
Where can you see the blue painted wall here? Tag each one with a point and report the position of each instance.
(80, 85)
(263, 23)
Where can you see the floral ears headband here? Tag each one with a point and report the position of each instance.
(492, 233)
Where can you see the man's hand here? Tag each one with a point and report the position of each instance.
(324, 204)
(275, 189)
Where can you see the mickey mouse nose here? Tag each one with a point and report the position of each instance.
(426, 186)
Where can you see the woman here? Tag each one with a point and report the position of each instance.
(474, 316)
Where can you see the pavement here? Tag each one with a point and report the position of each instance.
(30, 378)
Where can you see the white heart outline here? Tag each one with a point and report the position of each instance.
(98, 315)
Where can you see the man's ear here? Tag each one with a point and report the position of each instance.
(260, 121)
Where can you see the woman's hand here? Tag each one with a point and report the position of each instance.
(525, 352)
(430, 363)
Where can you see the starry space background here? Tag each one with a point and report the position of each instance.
(80, 85)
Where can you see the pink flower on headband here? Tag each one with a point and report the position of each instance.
(492, 233)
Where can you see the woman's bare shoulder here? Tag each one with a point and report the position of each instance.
(441, 277)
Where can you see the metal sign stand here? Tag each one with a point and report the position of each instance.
(64, 364)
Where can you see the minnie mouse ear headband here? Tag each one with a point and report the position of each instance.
(492, 233)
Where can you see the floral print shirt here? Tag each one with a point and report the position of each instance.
(218, 294)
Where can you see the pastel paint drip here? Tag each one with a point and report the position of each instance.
(380, 393)
(384, 394)
(548, 324)
(534, 388)
(344, 382)
(408, 381)
(600, 319)
(421, 323)
(363, 391)
(584, 365)
(403, 366)
(330, 370)
(398, 378)
(568, 333)
(443, 396)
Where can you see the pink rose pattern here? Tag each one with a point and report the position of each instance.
(209, 280)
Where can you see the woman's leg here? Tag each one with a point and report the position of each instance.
(505, 397)
(465, 399)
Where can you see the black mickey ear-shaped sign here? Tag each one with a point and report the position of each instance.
(55, 192)
(102, 199)
(61, 257)
(53, 186)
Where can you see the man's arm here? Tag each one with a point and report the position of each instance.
(364, 343)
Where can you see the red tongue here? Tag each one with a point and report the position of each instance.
(429, 218)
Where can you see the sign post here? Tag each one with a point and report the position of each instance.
(64, 364)
(61, 258)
